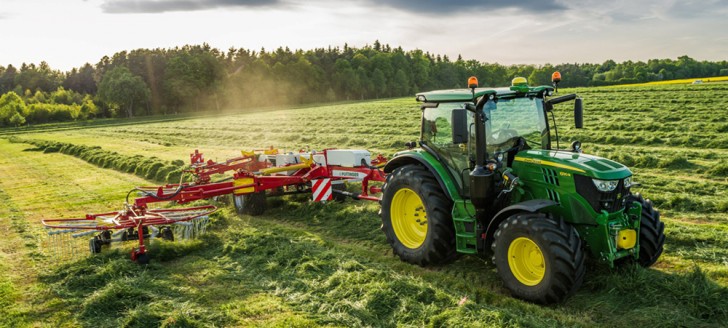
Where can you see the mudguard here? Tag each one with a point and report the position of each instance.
(442, 175)
(532, 206)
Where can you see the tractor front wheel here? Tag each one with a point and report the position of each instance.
(416, 217)
(652, 233)
(539, 258)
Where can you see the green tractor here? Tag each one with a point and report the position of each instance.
(487, 180)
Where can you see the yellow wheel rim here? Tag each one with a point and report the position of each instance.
(409, 218)
(526, 261)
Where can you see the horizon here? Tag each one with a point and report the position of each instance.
(587, 32)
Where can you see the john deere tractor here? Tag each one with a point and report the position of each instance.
(486, 179)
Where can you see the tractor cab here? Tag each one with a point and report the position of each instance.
(513, 119)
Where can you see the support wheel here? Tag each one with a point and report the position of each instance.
(539, 258)
(142, 259)
(105, 237)
(337, 196)
(167, 234)
(253, 204)
(125, 234)
(416, 217)
(652, 233)
(95, 245)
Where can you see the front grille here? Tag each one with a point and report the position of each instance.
(609, 201)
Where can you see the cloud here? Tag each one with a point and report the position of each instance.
(161, 6)
(629, 11)
(702, 9)
(475, 6)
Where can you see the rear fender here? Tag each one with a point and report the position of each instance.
(446, 181)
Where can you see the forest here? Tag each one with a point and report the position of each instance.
(196, 78)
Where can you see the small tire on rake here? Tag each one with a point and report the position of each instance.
(142, 259)
(95, 245)
(106, 237)
(124, 235)
(167, 234)
(253, 204)
(337, 196)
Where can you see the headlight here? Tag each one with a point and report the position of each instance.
(628, 182)
(606, 185)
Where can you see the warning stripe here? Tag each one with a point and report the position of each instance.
(321, 190)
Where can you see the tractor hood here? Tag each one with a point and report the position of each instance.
(576, 163)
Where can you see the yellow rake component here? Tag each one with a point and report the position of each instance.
(304, 164)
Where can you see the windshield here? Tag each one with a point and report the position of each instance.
(508, 119)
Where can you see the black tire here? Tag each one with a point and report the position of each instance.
(105, 237)
(652, 233)
(167, 234)
(239, 203)
(95, 245)
(562, 257)
(142, 259)
(336, 196)
(438, 246)
(253, 204)
(125, 235)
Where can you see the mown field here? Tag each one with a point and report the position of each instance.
(309, 264)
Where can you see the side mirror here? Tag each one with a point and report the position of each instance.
(578, 114)
(459, 126)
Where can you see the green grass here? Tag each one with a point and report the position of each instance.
(308, 264)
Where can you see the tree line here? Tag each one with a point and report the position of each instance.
(201, 78)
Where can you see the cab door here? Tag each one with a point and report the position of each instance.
(446, 132)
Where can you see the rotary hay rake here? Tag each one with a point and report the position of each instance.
(255, 175)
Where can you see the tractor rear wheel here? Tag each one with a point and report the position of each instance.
(253, 204)
(416, 217)
(652, 233)
(539, 258)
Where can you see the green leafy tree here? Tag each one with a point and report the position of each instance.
(41, 77)
(7, 79)
(81, 80)
(119, 87)
(11, 104)
(88, 109)
(17, 120)
(191, 75)
(401, 84)
(379, 82)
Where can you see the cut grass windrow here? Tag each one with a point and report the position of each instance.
(150, 168)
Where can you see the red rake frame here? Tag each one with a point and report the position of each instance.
(261, 176)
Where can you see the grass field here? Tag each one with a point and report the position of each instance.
(308, 264)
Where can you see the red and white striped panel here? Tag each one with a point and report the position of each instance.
(321, 190)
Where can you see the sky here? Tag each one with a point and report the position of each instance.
(70, 33)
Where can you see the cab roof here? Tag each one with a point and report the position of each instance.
(453, 95)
